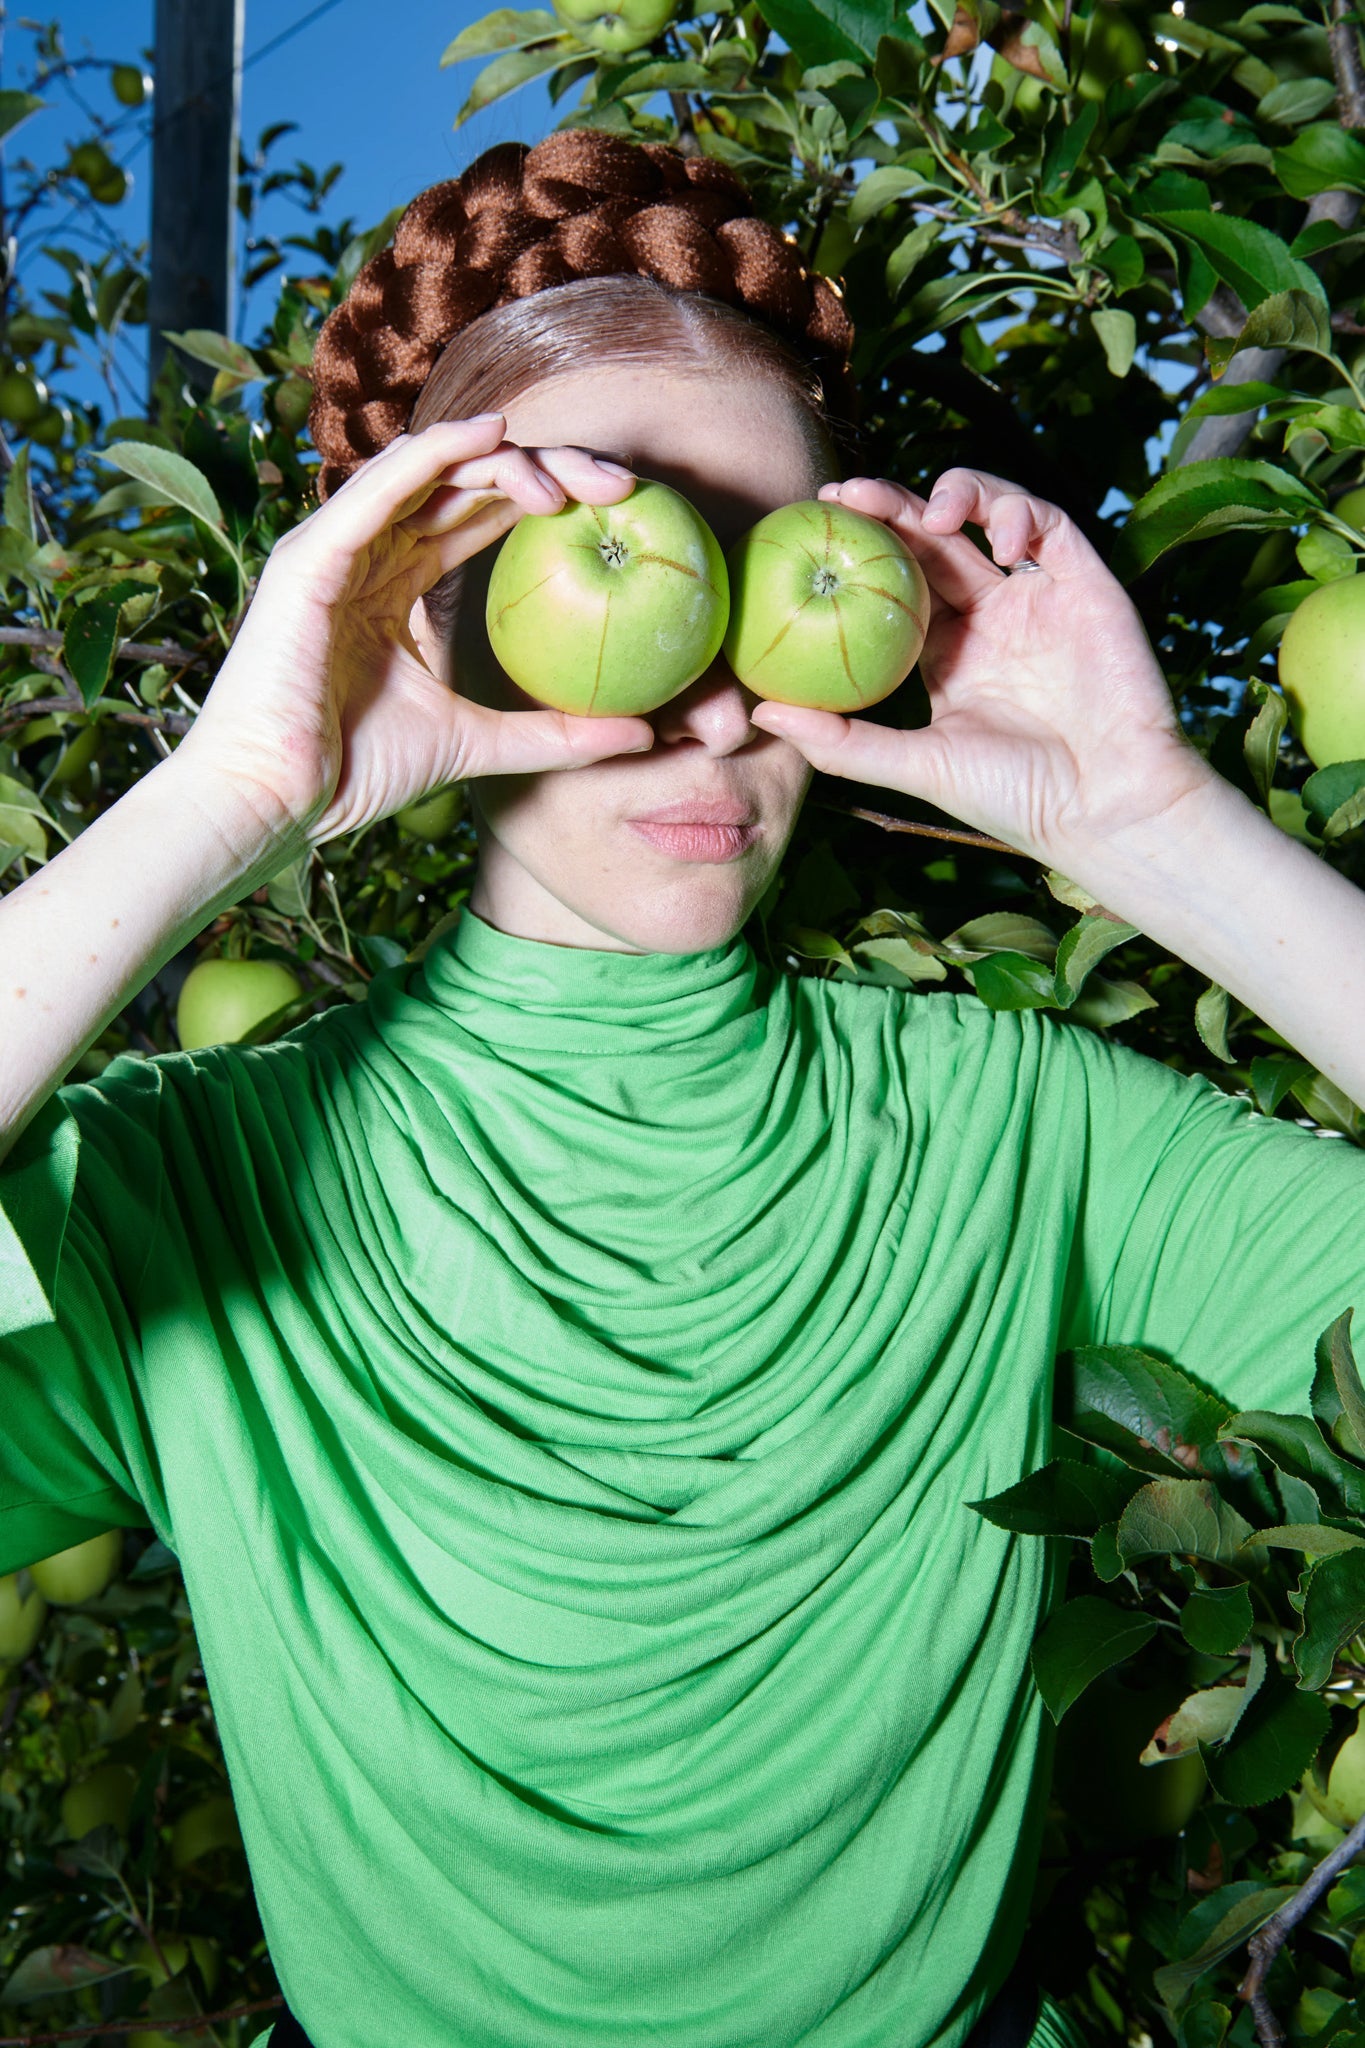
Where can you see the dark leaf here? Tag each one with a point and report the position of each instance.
(1297, 1446)
(1082, 1639)
(1274, 1743)
(1065, 1498)
(1333, 1612)
(1148, 1412)
(1012, 981)
(1182, 1518)
(92, 635)
(1216, 1619)
(1237, 1910)
(1210, 497)
(1321, 159)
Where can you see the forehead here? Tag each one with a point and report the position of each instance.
(736, 446)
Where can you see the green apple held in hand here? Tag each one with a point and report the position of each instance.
(607, 609)
(827, 608)
(77, 1574)
(221, 1000)
(616, 29)
(1322, 671)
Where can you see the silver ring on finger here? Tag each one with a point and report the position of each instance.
(1018, 568)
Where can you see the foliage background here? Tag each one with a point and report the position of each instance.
(1112, 253)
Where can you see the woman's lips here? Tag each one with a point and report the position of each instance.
(694, 841)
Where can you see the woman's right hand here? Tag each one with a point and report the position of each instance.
(324, 715)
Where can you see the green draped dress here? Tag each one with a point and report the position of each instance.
(562, 1376)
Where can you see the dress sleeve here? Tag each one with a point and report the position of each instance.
(1224, 1240)
(80, 1195)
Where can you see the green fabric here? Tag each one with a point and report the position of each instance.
(562, 1377)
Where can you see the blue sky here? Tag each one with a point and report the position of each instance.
(362, 81)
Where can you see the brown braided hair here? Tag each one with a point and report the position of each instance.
(523, 220)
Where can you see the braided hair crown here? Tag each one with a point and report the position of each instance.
(524, 219)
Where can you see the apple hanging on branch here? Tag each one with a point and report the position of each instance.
(1321, 672)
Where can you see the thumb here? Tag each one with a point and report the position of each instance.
(489, 742)
(859, 750)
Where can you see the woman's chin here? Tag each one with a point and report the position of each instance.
(689, 915)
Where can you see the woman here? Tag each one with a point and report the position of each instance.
(562, 1375)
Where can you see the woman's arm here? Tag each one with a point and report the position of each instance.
(1212, 879)
(1053, 729)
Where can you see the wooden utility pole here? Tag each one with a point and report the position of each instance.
(197, 110)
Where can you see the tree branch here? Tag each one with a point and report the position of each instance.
(166, 651)
(1344, 45)
(43, 707)
(1265, 1945)
(890, 824)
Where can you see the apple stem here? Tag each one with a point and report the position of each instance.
(1267, 1942)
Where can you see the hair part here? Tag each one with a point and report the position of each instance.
(626, 320)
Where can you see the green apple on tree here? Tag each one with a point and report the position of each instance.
(616, 29)
(1342, 1799)
(210, 1825)
(221, 1000)
(431, 817)
(607, 609)
(827, 607)
(82, 1571)
(21, 1618)
(1350, 506)
(1322, 673)
(1108, 1795)
(103, 1799)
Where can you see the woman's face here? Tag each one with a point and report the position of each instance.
(558, 857)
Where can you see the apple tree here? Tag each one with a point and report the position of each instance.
(1113, 253)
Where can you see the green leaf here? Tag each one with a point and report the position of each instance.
(914, 962)
(1216, 1619)
(175, 481)
(1325, 555)
(1335, 797)
(19, 495)
(507, 28)
(1275, 1742)
(1181, 1518)
(1210, 497)
(1002, 931)
(1012, 981)
(219, 352)
(58, 1967)
(516, 68)
(1064, 1498)
(1145, 1411)
(1211, 1021)
(835, 28)
(1104, 1002)
(1293, 319)
(1337, 1399)
(1333, 1612)
(1261, 742)
(1206, 1717)
(1315, 1539)
(1297, 1446)
(1217, 402)
(813, 945)
(1080, 1641)
(909, 253)
(92, 636)
(1296, 100)
(1117, 330)
(16, 107)
(1105, 1561)
(1320, 159)
(878, 189)
(1249, 258)
(1273, 1079)
(1241, 1915)
(1082, 948)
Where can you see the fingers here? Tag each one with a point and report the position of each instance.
(534, 479)
(958, 573)
(857, 749)
(390, 484)
(1016, 523)
(486, 742)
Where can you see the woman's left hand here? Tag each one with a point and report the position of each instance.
(1051, 721)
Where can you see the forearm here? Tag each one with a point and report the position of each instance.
(84, 934)
(1223, 888)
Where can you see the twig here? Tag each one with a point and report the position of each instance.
(1344, 46)
(178, 722)
(1063, 242)
(184, 2026)
(1266, 1944)
(688, 144)
(129, 650)
(890, 824)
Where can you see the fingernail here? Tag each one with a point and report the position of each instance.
(484, 419)
(614, 468)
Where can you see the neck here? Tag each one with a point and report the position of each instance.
(513, 901)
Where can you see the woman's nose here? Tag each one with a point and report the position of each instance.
(713, 710)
